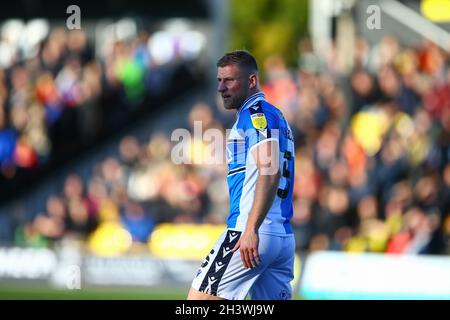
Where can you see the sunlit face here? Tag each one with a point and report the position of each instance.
(233, 86)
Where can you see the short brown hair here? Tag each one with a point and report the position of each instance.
(241, 58)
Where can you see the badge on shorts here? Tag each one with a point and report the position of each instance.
(259, 121)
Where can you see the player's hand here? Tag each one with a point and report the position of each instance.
(248, 243)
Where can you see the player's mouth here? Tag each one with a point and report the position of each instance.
(226, 97)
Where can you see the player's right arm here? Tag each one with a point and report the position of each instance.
(266, 158)
(264, 149)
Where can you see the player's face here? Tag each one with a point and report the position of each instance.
(233, 86)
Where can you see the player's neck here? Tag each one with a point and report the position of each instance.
(249, 96)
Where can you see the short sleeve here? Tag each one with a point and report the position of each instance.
(257, 124)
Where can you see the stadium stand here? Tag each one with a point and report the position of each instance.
(372, 160)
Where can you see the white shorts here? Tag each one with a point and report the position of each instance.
(222, 273)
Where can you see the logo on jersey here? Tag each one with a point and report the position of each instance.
(211, 281)
(226, 251)
(259, 121)
(232, 236)
(219, 265)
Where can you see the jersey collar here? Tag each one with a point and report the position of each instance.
(259, 96)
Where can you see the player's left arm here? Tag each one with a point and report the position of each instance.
(266, 155)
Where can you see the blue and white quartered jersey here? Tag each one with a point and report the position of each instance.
(259, 121)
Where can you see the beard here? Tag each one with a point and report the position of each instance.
(233, 102)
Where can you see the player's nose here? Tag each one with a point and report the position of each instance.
(221, 87)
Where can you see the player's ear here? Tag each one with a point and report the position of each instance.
(253, 81)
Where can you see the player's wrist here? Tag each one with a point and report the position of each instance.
(251, 228)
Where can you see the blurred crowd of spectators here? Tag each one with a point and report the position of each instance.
(373, 149)
(68, 93)
(372, 159)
